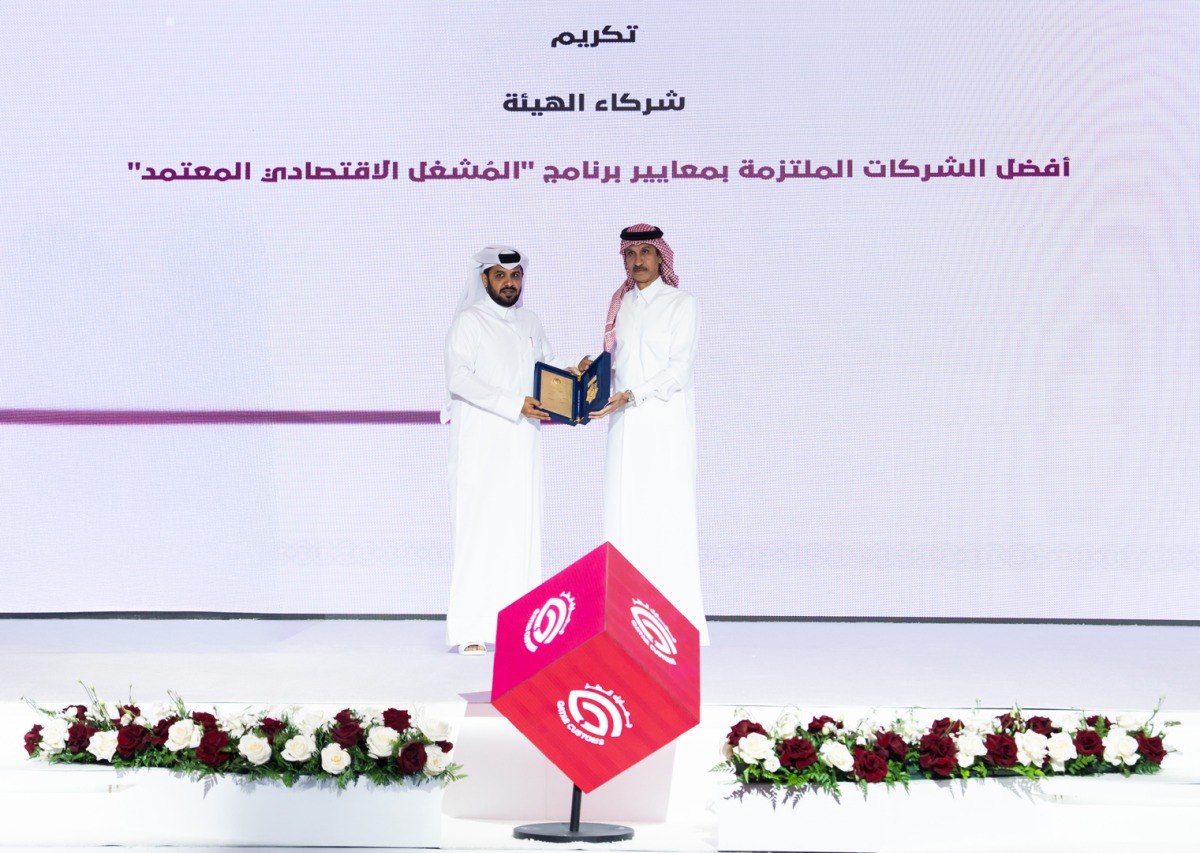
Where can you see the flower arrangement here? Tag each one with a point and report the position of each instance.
(283, 744)
(826, 751)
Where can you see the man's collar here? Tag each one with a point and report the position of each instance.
(651, 290)
(496, 308)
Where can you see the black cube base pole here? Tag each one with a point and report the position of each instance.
(574, 831)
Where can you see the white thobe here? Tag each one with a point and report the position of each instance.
(650, 467)
(495, 465)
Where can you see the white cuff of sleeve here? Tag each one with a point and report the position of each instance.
(512, 407)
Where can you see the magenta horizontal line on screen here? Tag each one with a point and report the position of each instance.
(181, 417)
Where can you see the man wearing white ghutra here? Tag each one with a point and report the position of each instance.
(495, 461)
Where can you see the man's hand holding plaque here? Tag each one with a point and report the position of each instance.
(532, 409)
(572, 396)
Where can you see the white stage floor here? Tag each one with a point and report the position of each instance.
(759, 665)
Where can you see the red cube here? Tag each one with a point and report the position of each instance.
(597, 668)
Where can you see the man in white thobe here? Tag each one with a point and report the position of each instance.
(495, 447)
(650, 467)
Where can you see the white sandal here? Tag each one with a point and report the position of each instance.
(472, 649)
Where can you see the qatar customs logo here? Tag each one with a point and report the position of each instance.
(549, 621)
(593, 714)
(653, 631)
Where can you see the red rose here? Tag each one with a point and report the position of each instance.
(411, 758)
(1041, 725)
(158, 736)
(210, 749)
(797, 752)
(131, 740)
(1001, 750)
(1095, 720)
(742, 728)
(870, 765)
(1087, 742)
(818, 724)
(397, 720)
(134, 710)
(892, 744)
(938, 755)
(344, 716)
(206, 720)
(271, 727)
(445, 745)
(80, 711)
(1151, 748)
(945, 726)
(33, 739)
(347, 734)
(1008, 722)
(78, 737)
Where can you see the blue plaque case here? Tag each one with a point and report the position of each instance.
(573, 399)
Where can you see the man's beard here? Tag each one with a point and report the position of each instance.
(506, 297)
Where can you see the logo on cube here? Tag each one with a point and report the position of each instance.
(597, 668)
(549, 620)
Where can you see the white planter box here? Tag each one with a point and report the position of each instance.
(100, 806)
(758, 817)
(1108, 813)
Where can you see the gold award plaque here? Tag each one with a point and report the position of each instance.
(557, 394)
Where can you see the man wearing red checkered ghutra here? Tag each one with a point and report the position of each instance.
(650, 467)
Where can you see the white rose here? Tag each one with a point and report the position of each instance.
(380, 741)
(299, 748)
(233, 724)
(436, 760)
(1131, 722)
(54, 736)
(255, 749)
(126, 718)
(835, 754)
(1031, 748)
(1120, 748)
(771, 763)
(334, 759)
(308, 720)
(104, 744)
(787, 723)
(372, 715)
(430, 726)
(754, 747)
(1068, 721)
(979, 722)
(156, 713)
(912, 730)
(183, 734)
(1061, 749)
(726, 751)
(970, 746)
